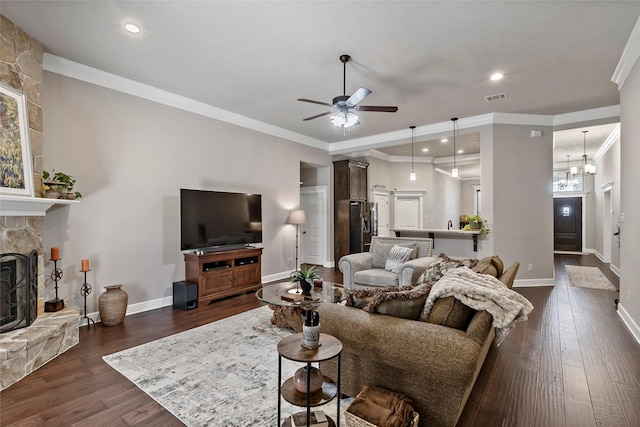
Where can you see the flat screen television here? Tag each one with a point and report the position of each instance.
(216, 219)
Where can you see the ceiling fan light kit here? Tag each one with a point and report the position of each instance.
(344, 104)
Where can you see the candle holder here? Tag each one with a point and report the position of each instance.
(55, 304)
(84, 291)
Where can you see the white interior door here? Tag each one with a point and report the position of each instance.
(382, 203)
(313, 238)
(407, 210)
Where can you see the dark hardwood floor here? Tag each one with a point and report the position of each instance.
(573, 363)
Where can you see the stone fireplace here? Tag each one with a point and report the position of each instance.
(47, 335)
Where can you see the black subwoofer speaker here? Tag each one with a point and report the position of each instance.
(185, 295)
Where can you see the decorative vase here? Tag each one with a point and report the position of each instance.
(300, 380)
(51, 194)
(69, 196)
(474, 225)
(306, 288)
(112, 305)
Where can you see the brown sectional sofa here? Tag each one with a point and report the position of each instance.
(434, 365)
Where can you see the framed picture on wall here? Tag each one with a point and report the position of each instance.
(16, 177)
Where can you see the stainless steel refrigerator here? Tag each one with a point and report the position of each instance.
(360, 226)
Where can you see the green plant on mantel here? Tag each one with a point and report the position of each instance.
(60, 182)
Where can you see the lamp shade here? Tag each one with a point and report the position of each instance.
(296, 216)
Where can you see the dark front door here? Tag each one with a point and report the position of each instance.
(567, 224)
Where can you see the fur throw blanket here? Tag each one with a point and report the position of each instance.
(482, 292)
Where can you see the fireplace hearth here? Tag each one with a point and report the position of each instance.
(18, 290)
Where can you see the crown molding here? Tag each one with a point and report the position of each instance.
(586, 115)
(629, 57)
(613, 137)
(358, 146)
(75, 70)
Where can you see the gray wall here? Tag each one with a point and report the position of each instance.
(131, 156)
(629, 192)
(517, 198)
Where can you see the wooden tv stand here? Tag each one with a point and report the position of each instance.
(224, 273)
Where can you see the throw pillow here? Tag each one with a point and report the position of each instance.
(498, 264)
(381, 252)
(485, 266)
(361, 297)
(397, 256)
(405, 302)
(450, 312)
(441, 265)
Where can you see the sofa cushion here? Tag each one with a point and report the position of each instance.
(450, 312)
(405, 302)
(441, 265)
(485, 266)
(498, 264)
(398, 256)
(381, 252)
(376, 277)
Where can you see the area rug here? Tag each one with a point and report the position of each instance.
(588, 277)
(221, 374)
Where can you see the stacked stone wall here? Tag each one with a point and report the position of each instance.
(21, 69)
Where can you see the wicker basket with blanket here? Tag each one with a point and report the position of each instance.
(378, 407)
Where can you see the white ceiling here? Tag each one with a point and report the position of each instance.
(432, 59)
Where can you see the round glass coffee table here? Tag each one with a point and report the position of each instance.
(289, 314)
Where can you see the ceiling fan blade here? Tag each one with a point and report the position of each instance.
(377, 108)
(315, 102)
(316, 116)
(358, 96)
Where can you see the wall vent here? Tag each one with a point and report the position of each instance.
(496, 97)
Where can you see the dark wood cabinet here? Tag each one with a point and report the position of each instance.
(225, 273)
(350, 178)
(351, 208)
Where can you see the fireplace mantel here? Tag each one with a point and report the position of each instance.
(29, 206)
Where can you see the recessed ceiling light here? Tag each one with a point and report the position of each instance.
(443, 140)
(460, 151)
(497, 76)
(424, 150)
(132, 28)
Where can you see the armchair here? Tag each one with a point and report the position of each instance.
(366, 269)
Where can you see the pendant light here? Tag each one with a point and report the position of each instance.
(587, 169)
(412, 175)
(454, 171)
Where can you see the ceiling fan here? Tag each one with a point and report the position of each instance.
(345, 104)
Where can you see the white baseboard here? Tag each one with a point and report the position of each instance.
(598, 255)
(529, 283)
(629, 322)
(615, 270)
(149, 305)
(283, 275)
(329, 264)
(133, 309)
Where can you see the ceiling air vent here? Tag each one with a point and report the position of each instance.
(496, 97)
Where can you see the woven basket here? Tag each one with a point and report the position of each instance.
(355, 421)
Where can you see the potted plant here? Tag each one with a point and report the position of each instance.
(60, 182)
(305, 278)
(475, 222)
